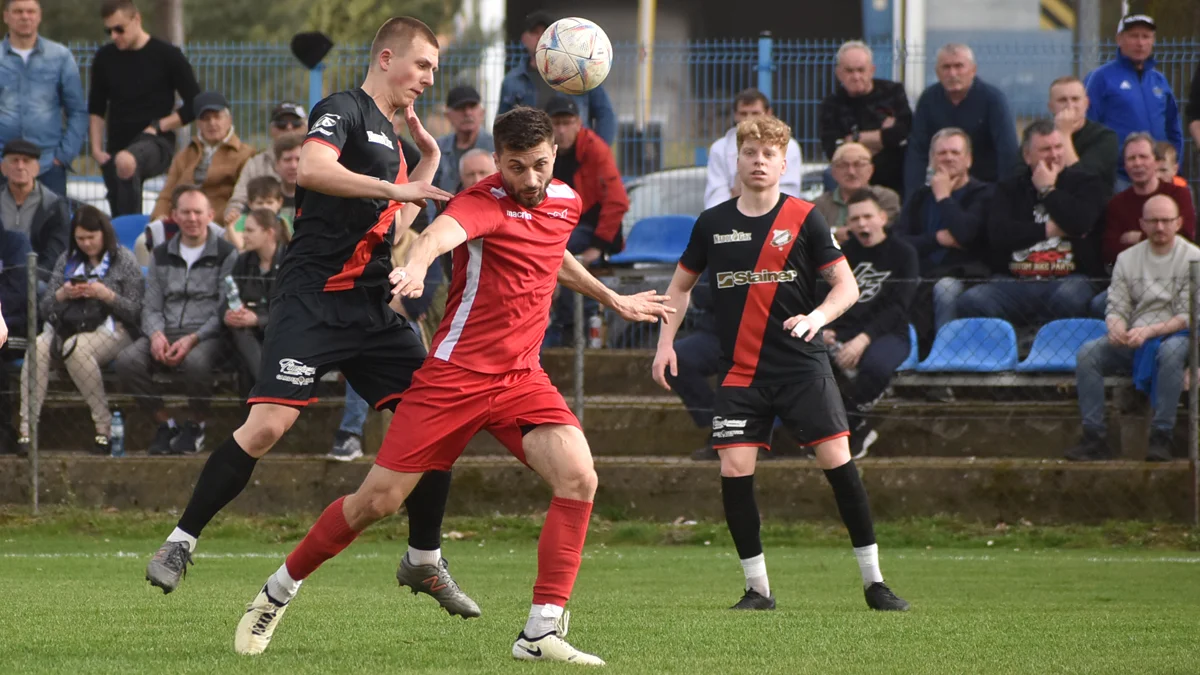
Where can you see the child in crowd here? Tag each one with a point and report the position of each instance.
(1168, 164)
(263, 192)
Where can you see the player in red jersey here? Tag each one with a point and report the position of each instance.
(509, 235)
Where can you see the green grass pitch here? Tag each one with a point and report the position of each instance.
(76, 603)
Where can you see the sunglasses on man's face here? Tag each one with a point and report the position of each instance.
(289, 124)
(114, 30)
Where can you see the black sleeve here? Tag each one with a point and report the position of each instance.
(1076, 207)
(965, 224)
(1007, 229)
(822, 246)
(98, 93)
(695, 256)
(897, 135)
(829, 128)
(185, 82)
(897, 295)
(53, 237)
(333, 121)
(1193, 106)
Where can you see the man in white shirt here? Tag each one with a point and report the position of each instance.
(722, 184)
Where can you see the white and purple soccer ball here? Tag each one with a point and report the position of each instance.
(573, 56)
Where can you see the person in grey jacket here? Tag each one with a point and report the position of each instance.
(181, 322)
(97, 271)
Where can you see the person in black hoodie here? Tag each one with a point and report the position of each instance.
(1043, 237)
(265, 236)
(871, 339)
(944, 222)
(864, 109)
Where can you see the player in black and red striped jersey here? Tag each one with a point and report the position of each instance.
(763, 251)
(331, 309)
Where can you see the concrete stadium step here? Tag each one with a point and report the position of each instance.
(655, 488)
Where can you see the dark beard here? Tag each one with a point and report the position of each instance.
(520, 198)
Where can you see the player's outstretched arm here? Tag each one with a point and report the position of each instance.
(647, 306)
(321, 172)
(443, 235)
(679, 295)
(842, 296)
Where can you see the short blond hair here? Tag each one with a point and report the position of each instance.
(764, 129)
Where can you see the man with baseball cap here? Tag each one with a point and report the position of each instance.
(524, 86)
(286, 118)
(212, 160)
(1128, 94)
(465, 114)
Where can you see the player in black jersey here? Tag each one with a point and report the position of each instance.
(763, 251)
(331, 305)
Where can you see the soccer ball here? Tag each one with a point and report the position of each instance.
(573, 55)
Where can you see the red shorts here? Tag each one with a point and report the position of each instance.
(447, 405)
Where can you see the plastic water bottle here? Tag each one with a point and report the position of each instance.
(117, 443)
(232, 294)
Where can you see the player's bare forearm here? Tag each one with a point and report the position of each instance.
(321, 172)
(574, 275)
(843, 293)
(680, 292)
(427, 168)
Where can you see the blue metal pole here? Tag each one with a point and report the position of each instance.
(765, 66)
(316, 85)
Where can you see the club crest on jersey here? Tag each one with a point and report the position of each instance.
(731, 238)
(376, 137)
(781, 238)
(322, 125)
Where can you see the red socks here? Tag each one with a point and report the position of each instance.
(329, 536)
(560, 550)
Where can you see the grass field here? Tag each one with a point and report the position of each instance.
(72, 599)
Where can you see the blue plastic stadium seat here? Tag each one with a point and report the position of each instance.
(911, 361)
(972, 346)
(657, 239)
(129, 228)
(1057, 342)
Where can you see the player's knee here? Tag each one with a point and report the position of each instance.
(578, 483)
(261, 433)
(377, 504)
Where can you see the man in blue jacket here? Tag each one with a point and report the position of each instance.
(1127, 94)
(38, 76)
(524, 86)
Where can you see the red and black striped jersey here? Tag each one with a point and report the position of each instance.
(341, 243)
(763, 270)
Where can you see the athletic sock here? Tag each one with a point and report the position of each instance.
(281, 587)
(425, 507)
(755, 570)
(560, 551)
(225, 475)
(178, 535)
(851, 498)
(329, 536)
(542, 620)
(741, 515)
(868, 564)
(418, 556)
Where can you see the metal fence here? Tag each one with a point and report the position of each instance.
(693, 84)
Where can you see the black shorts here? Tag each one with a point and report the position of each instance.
(812, 411)
(309, 334)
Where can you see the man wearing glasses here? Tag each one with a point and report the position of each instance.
(135, 80)
(1147, 318)
(286, 119)
(852, 169)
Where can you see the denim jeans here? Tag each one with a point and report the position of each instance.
(945, 300)
(1100, 357)
(1028, 302)
(1098, 308)
(354, 416)
(55, 180)
(698, 357)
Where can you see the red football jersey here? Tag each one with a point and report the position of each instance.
(504, 276)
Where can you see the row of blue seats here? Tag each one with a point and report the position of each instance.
(990, 346)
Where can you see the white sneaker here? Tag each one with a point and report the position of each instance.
(553, 647)
(257, 625)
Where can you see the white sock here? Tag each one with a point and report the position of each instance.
(542, 620)
(755, 570)
(180, 535)
(418, 557)
(281, 586)
(868, 563)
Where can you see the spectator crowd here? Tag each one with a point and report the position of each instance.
(945, 210)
